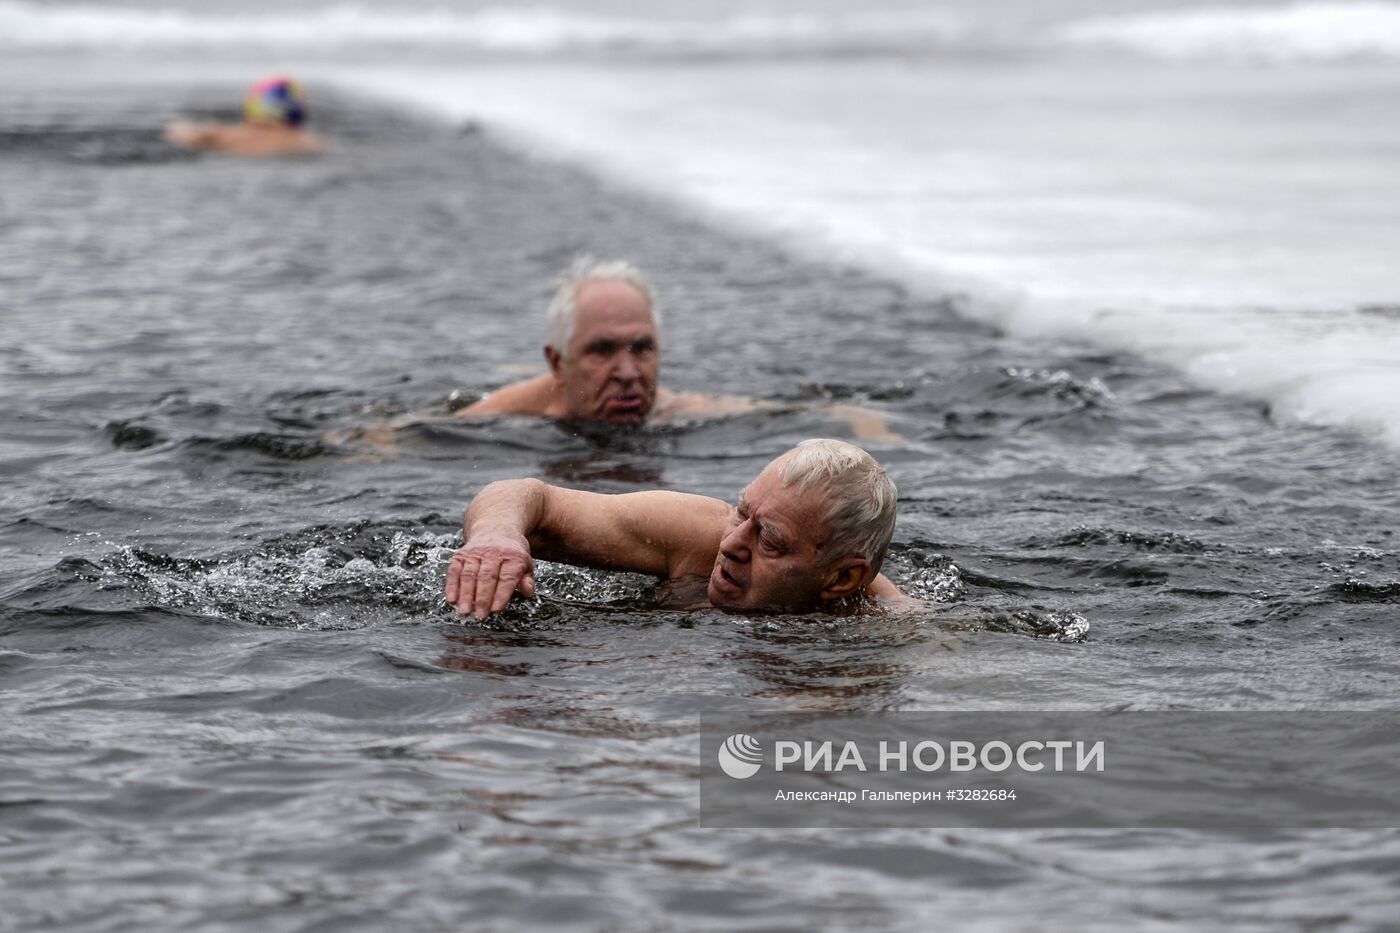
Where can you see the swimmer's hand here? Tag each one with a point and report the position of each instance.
(487, 571)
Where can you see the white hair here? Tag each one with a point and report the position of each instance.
(563, 307)
(861, 511)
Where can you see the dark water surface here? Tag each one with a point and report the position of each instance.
(232, 697)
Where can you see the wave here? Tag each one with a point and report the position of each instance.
(1318, 32)
(529, 30)
(1303, 31)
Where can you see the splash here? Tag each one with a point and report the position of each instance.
(348, 580)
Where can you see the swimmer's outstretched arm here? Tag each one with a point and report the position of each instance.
(189, 135)
(666, 534)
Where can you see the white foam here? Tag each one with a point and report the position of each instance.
(1297, 32)
(1307, 31)
(1233, 262)
(502, 29)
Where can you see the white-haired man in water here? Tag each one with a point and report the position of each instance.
(604, 355)
(809, 534)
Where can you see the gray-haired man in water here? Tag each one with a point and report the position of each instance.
(808, 534)
(604, 355)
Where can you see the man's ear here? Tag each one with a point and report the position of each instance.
(552, 356)
(849, 577)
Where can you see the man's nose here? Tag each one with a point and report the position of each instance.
(626, 368)
(735, 545)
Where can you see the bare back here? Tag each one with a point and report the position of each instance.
(250, 139)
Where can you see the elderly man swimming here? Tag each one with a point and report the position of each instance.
(604, 355)
(808, 534)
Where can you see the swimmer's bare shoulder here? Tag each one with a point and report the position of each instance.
(865, 424)
(884, 590)
(535, 396)
(673, 406)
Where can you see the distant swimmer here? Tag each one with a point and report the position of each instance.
(273, 113)
(604, 356)
(809, 534)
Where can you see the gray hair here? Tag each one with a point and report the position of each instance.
(861, 512)
(563, 307)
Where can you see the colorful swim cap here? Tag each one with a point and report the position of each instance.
(275, 100)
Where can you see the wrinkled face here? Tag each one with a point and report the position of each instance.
(771, 557)
(609, 371)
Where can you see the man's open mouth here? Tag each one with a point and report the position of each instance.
(725, 582)
(626, 405)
